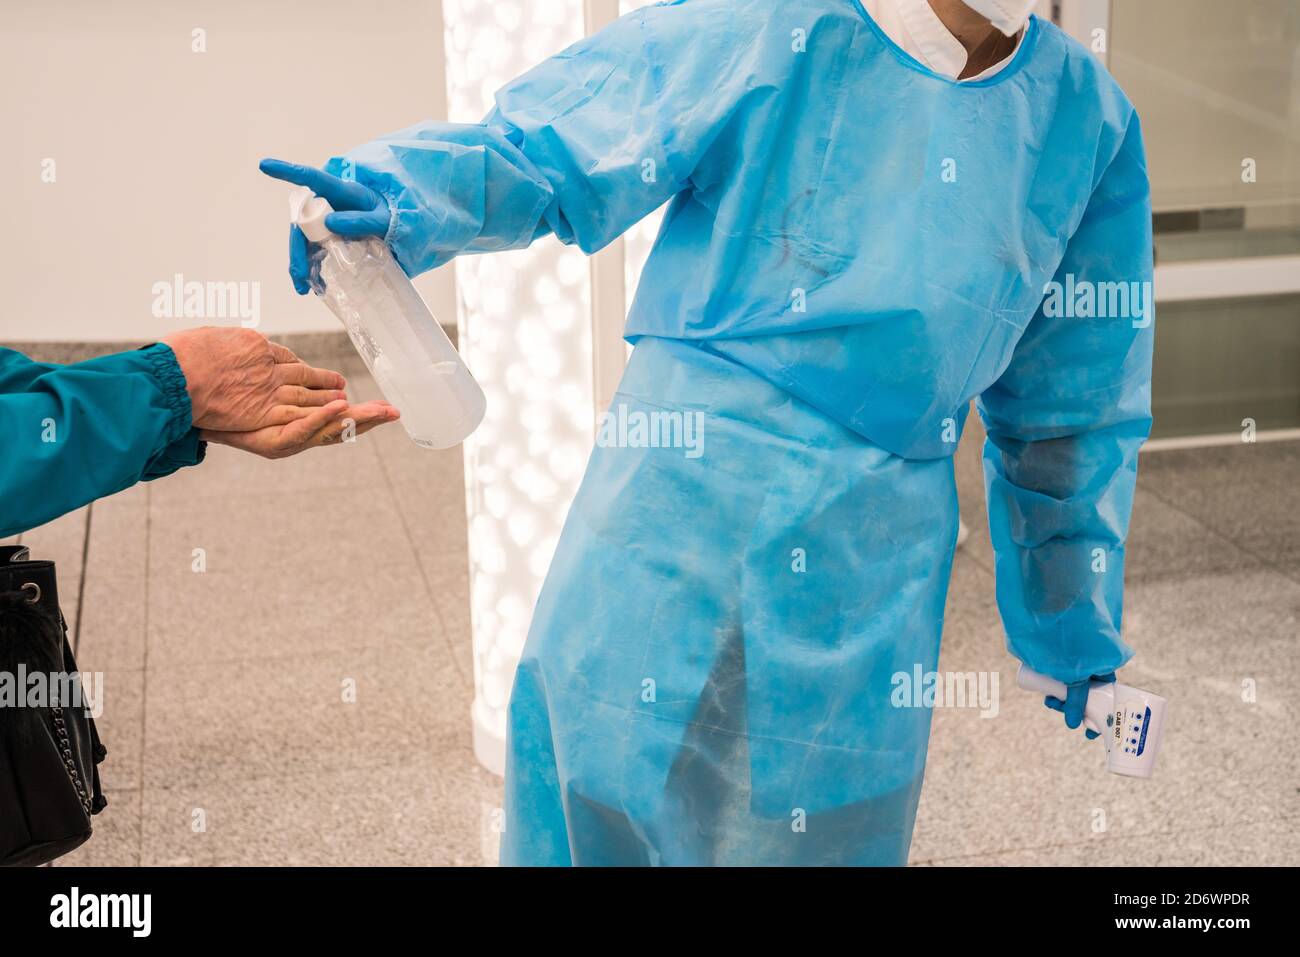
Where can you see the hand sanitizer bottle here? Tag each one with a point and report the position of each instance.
(413, 362)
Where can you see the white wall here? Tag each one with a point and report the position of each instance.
(155, 148)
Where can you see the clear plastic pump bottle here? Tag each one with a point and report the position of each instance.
(413, 362)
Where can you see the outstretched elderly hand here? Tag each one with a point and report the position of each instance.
(239, 380)
(256, 395)
(327, 425)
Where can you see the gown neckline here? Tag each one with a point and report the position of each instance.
(1018, 59)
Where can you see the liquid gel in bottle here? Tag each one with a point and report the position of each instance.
(414, 363)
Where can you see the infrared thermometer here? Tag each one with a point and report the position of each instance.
(1130, 721)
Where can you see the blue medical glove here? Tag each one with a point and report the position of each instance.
(1076, 699)
(358, 211)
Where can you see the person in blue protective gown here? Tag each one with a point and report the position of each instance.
(855, 247)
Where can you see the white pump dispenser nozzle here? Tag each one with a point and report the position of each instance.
(307, 211)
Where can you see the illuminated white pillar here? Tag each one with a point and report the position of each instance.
(526, 330)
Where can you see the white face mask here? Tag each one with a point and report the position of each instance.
(1007, 15)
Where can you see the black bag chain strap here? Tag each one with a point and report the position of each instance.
(65, 751)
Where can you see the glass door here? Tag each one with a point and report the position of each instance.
(1217, 86)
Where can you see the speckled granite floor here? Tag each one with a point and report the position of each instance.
(231, 742)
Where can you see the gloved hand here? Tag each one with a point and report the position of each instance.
(1076, 699)
(358, 211)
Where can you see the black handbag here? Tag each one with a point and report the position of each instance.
(49, 747)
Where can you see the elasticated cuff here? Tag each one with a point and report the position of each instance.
(172, 381)
(189, 449)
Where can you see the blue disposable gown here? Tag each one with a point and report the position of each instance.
(75, 433)
(855, 248)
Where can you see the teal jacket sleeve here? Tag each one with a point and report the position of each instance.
(76, 433)
(583, 145)
(1065, 422)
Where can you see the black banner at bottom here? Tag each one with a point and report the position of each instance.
(337, 905)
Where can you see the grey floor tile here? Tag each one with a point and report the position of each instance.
(1264, 844)
(1244, 623)
(1166, 544)
(62, 541)
(429, 481)
(193, 619)
(115, 837)
(229, 473)
(440, 539)
(286, 576)
(448, 577)
(1223, 763)
(973, 638)
(414, 813)
(285, 529)
(1248, 494)
(236, 721)
(968, 468)
(121, 729)
(429, 489)
(112, 624)
(1202, 476)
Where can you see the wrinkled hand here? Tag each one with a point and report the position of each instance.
(328, 425)
(1076, 699)
(239, 381)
